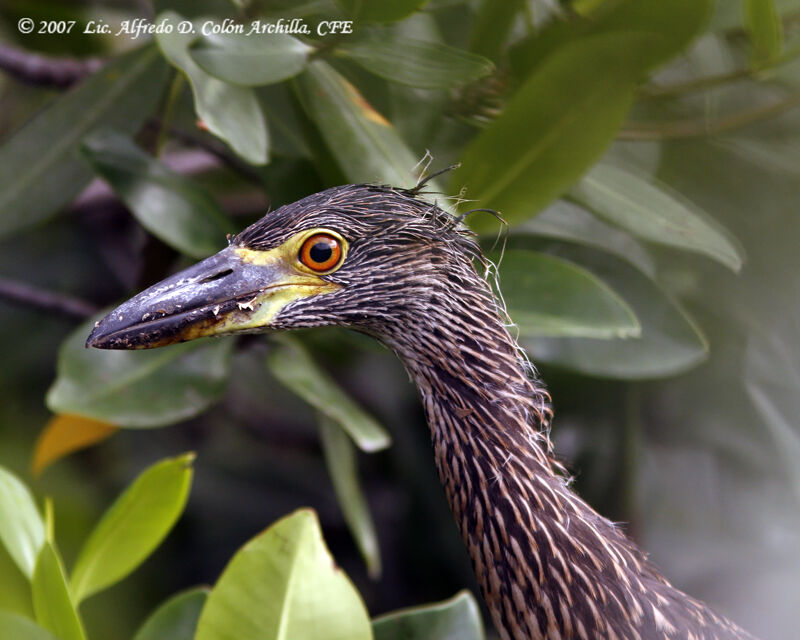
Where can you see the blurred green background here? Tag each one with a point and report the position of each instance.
(647, 157)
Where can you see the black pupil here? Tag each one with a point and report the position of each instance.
(321, 251)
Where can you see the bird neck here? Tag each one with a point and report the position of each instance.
(548, 565)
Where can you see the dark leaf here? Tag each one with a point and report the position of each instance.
(40, 172)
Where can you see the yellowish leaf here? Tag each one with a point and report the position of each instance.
(65, 434)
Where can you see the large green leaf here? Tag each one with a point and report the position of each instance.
(230, 112)
(340, 458)
(292, 365)
(365, 145)
(251, 60)
(763, 22)
(133, 526)
(284, 585)
(670, 342)
(564, 220)
(21, 525)
(52, 601)
(654, 212)
(554, 127)
(670, 27)
(176, 619)
(167, 204)
(548, 296)
(20, 628)
(148, 388)
(380, 10)
(41, 172)
(416, 63)
(458, 618)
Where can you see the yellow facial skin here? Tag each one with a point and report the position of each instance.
(236, 290)
(294, 281)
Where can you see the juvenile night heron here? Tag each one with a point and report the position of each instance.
(384, 262)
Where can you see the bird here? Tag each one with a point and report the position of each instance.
(391, 263)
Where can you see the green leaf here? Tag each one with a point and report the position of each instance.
(283, 585)
(548, 296)
(20, 628)
(493, 23)
(380, 10)
(52, 601)
(652, 211)
(763, 23)
(133, 526)
(169, 206)
(670, 342)
(230, 112)
(40, 173)
(670, 27)
(136, 389)
(21, 526)
(458, 618)
(553, 128)
(416, 63)
(176, 619)
(365, 145)
(340, 459)
(251, 60)
(292, 365)
(567, 221)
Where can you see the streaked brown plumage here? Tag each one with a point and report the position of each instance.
(549, 566)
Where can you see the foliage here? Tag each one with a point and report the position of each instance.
(643, 154)
(283, 582)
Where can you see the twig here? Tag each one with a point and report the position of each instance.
(26, 295)
(217, 149)
(43, 71)
(696, 128)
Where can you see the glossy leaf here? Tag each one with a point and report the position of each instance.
(176, 619)
(230, 112)
(365, 145)
(40, 174)
(458, 618)
(292, 365)
(64, 434)
(670, 342)
(380, 10)
(553, 128)
(670, 27)
(133, 526)
(493, 23)
(652, 211)
(137, 389)
(251, 60)
(168, 205)
(20, 628)
(21, 525)
(340, 458)
(548, 296)
(52, 601)
(283, 585)
(564, 220)
(763, 23)
(416, 63)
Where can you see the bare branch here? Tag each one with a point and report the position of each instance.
(26, 295)
(43, 71)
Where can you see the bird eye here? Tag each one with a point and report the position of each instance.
(321, 252)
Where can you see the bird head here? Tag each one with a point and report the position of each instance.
(365, 257)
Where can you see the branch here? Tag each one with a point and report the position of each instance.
(26, 295)
(696, 128)
(43, 71)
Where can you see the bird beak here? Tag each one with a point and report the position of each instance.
(237, 290)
